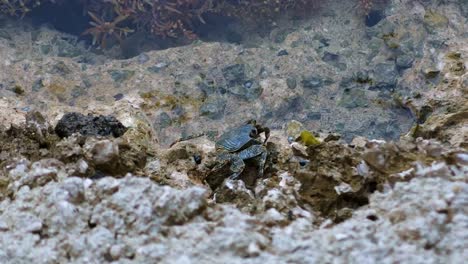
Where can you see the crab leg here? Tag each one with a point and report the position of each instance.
(259, 151)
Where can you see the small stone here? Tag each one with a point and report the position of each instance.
(312, 82)
(430, 73)
(330, 57)
(197, 159)
(18, 90)
(38, 85)
(291, 82)
(374, 17)
(118, 96)
(282, 53)
(164, 120)
(294, 128)
(104, 151)
(332, 137)
(116, 251)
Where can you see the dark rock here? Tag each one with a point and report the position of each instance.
(314, 116)
(118, 96)
(250, 90)
(383, 28)
(282, 53)
(314, 82)
(234, 37)
(120, 75)
(164, 120)
(197, 159)
(324, 42)
(330, 57)
(290, 107)
(404, 61)
(207, 86)
(89, 125)
(37, 85)
(374, 17)
(248, 84)
(213, 108)
(385, 75)
(234, 74)
(431, 73)
(362, 77)
(353, 98)
(291, 82)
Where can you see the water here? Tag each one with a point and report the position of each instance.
(333, 66)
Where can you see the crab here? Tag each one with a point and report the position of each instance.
(239, 144)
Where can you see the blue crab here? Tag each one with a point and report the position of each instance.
(239, 144)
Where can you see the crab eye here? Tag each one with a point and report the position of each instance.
(253, 132)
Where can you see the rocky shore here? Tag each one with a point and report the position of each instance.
(367, 157)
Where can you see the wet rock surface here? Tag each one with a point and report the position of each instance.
(367, 159)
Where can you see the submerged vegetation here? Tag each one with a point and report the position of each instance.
(168, 18)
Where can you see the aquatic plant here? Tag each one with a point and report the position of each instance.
(168, 18)
(102, 29)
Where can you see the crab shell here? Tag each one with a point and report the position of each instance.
(238, 138)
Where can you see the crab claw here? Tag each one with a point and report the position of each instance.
(267, 134)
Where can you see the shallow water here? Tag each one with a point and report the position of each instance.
(334, 69)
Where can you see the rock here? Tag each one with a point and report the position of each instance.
(294, 128)
(353, 98)
(434, 21)
(331, 176)
(404, 61)
(291, 82)
(213, 108)
(330, 58)
(385, 75)
(234, 75)
(37, 174)
(282, 53)
(89, 125)
(430, 72)
(102, 152)
(163, 121)
(249, 90)
(374, 17)
(312, 83)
